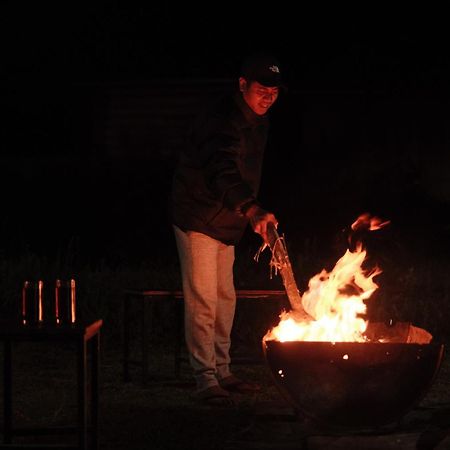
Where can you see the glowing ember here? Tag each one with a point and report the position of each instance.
(335, 300)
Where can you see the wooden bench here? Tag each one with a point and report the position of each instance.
(141, 299)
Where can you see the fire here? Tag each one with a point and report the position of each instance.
(335, 300)
(370, 222)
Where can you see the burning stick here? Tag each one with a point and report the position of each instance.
(281, 262)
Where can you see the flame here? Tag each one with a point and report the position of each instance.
(370, 222)
(336, 301)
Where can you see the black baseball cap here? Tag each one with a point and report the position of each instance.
(263, 68)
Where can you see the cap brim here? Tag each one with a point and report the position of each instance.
(273, 83)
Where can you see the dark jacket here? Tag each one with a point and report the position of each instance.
(218, 173)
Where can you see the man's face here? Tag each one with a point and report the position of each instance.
(258, 97)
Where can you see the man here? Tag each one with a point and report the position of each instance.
(214, 198)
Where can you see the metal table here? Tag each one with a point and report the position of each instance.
(86, 338)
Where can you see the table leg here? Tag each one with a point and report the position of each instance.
(95, 351)
(7, 392)
(145, 339)
(126, 339)
(82, 393)
(179, 316)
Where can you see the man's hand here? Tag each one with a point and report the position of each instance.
(259, 218)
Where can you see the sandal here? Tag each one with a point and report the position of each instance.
(234, 384)
(215, 396)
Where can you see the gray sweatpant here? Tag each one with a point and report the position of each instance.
(210, 301)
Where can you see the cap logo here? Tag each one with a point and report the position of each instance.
(274, 69)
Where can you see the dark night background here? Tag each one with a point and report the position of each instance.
(96, 100)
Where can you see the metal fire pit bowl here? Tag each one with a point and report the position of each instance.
(353, 385)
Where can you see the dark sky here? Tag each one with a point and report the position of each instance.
(48, 48)
(333, 47)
